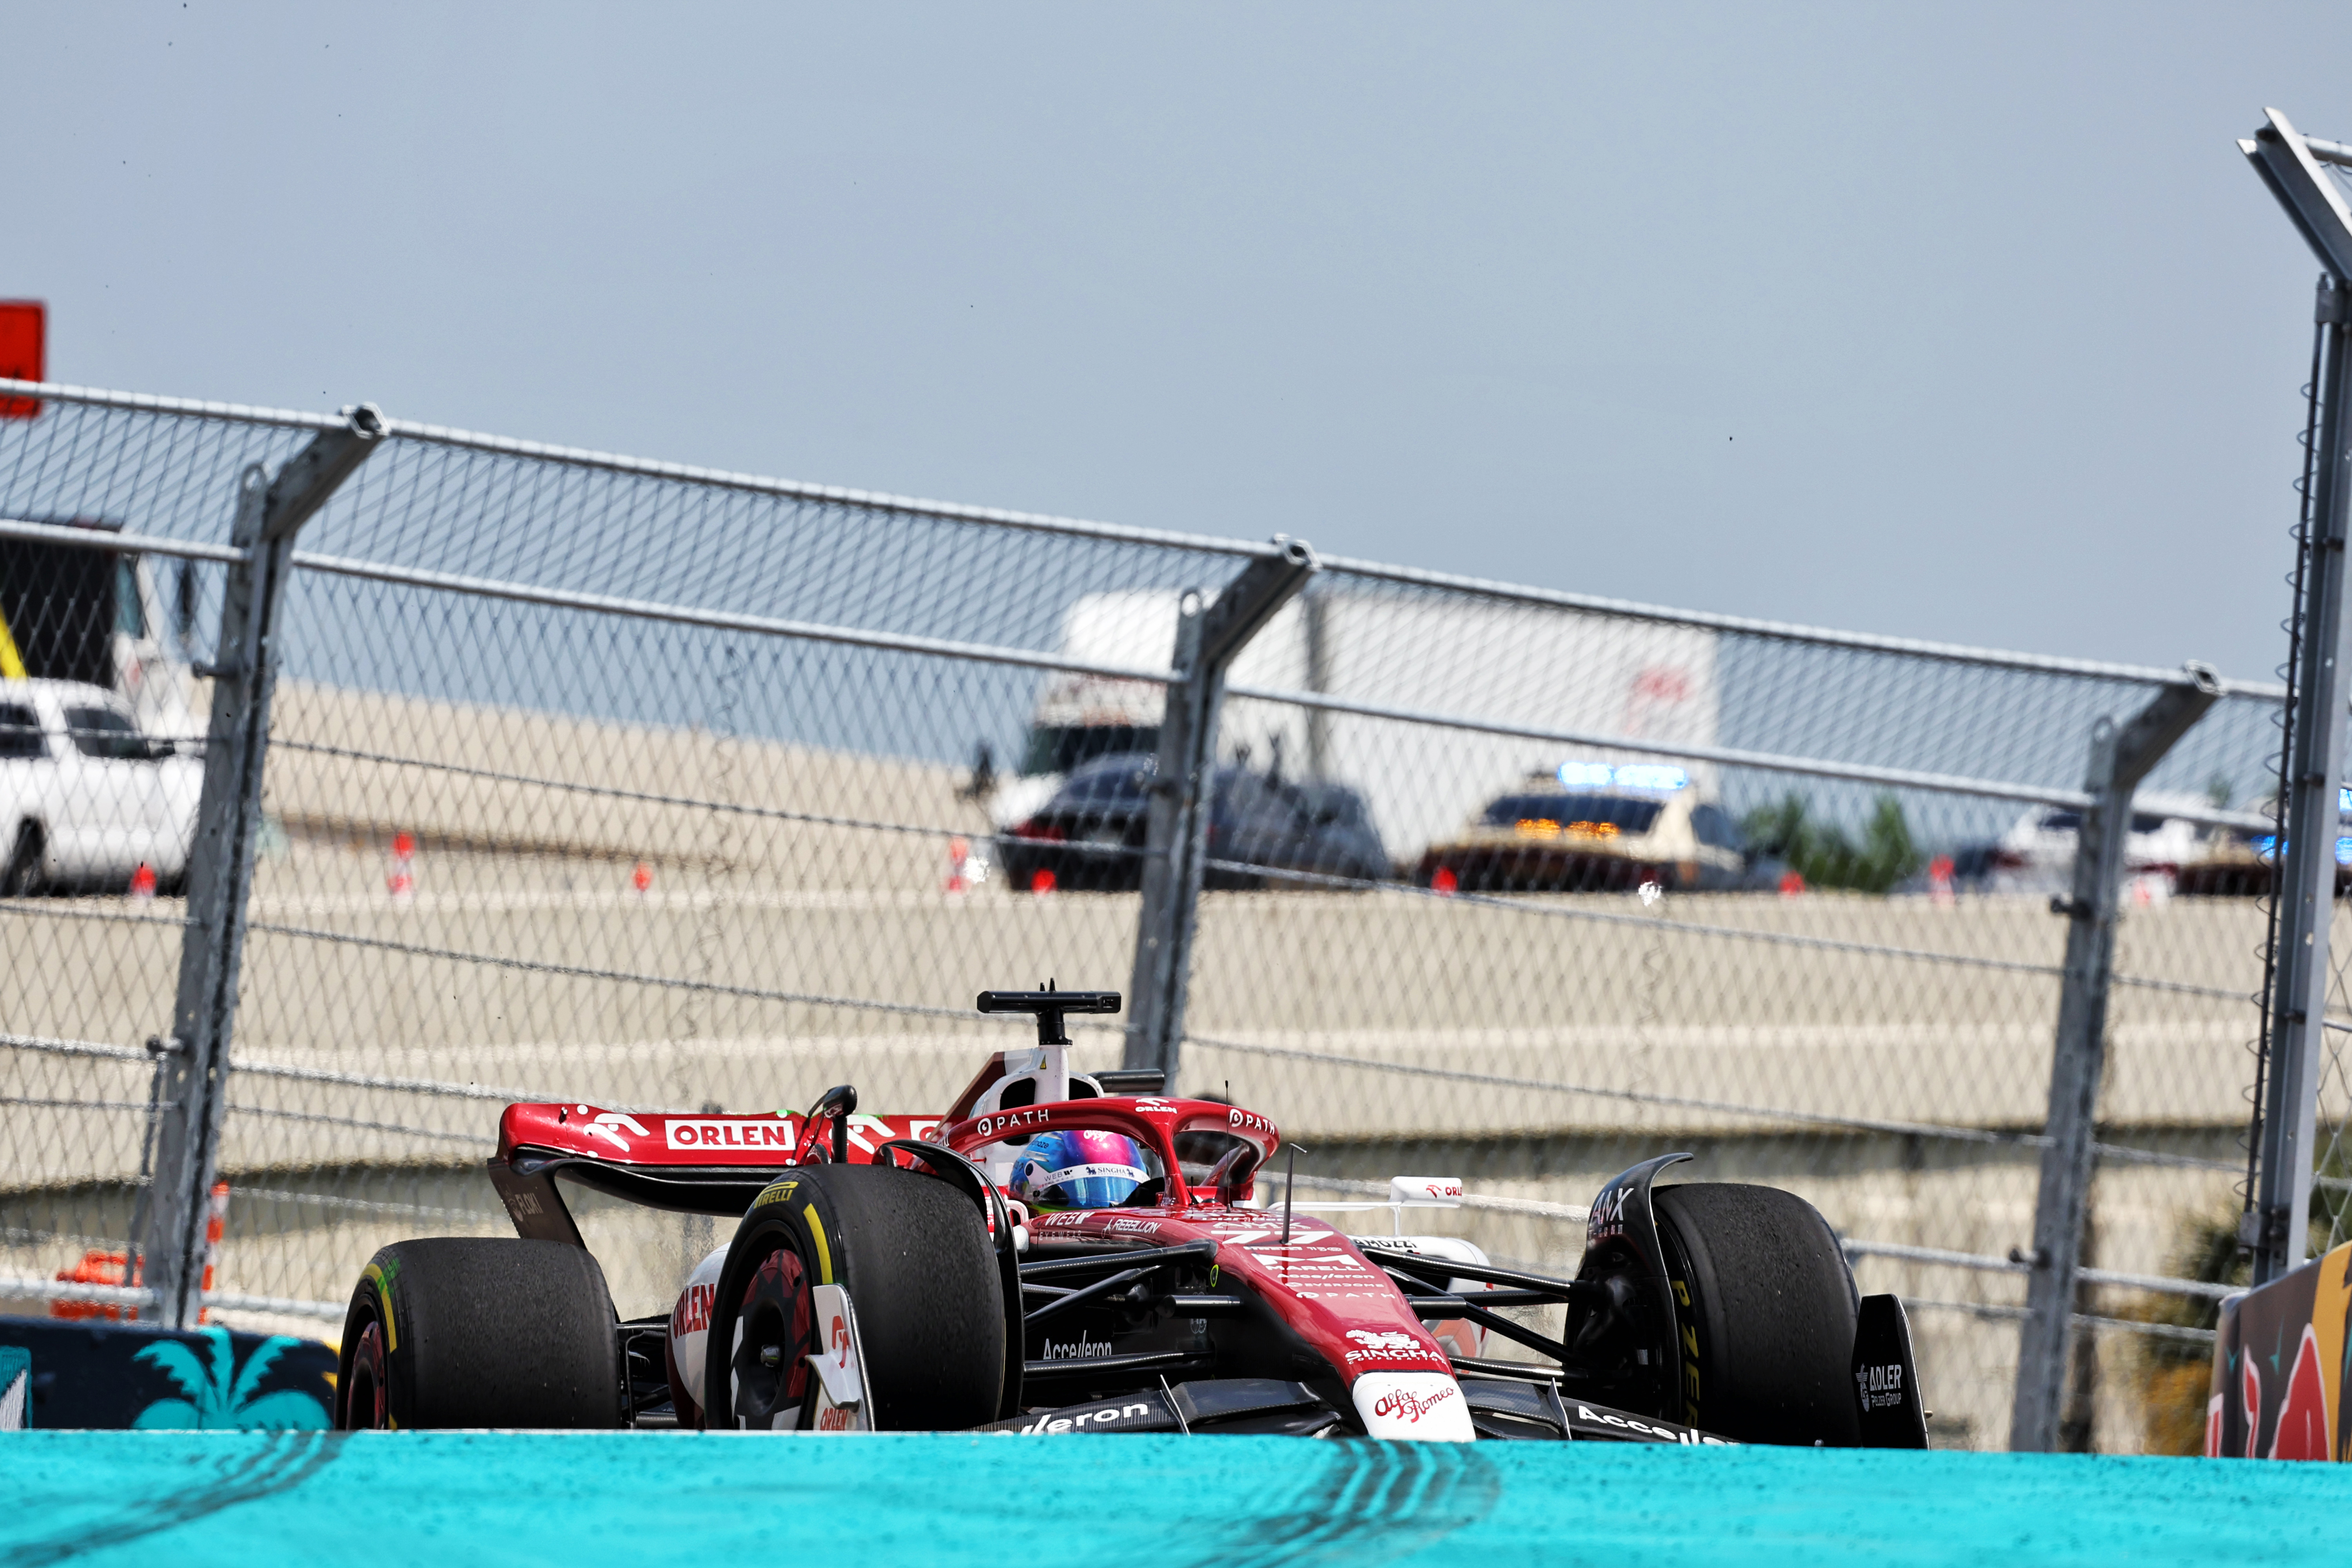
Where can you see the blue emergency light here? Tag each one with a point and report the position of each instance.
(1632, 776)
(2266, 847)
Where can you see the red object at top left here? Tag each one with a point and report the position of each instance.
(24, 330)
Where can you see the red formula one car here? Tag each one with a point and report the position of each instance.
(1062, 1252)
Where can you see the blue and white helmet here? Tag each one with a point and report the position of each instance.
(1078, 1170)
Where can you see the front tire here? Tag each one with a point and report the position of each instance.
(914, 1256)
(459, 1331)
(1769, 1307)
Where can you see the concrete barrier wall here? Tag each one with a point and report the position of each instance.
(343, 977)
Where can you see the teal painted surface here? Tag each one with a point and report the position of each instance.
(452, 1498)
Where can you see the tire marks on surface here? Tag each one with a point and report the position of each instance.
(1366, 1502)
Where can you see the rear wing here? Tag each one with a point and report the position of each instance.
(686, 1162)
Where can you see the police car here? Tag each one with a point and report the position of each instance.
(1593, 827)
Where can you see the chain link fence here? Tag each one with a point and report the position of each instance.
(1837, 971)
(639, 785)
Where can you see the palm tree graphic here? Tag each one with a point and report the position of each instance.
(216, 1401)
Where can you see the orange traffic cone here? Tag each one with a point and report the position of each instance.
(215, 1224)
(402, 882)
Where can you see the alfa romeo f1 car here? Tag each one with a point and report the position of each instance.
(1065, 1252)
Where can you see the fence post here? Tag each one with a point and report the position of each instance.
(1209, 636)
(193, 1071)
(2120, 758)
(2273, 1226)
(2284, 1143)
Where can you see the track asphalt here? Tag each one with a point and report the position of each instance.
(449, 1500)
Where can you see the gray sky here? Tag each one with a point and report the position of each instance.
(1965, 324)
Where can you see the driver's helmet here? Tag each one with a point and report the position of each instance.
(1078, 1170)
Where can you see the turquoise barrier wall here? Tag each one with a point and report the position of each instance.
(444, 1500)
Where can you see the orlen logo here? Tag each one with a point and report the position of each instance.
(1411, 1407)
(731, 1134)
(1153, 1106)
(692, 1313)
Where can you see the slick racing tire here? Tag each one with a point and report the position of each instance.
(914, 1256)
(1769, 1307)
(479, 1332)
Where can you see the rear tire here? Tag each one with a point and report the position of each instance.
(479, 1332)
(923, 1282)
(1763, 1287)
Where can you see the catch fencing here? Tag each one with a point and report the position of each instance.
(639, 785)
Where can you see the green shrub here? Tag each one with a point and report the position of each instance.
(1822, 853)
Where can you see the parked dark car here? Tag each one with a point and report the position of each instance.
(1089, 836)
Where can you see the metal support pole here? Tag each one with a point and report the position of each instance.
(2120, 758)
(2285, 1145)
(1209, 636)
(194, 1072)
(1315, 612)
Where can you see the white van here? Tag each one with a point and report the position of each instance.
(86, 798)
